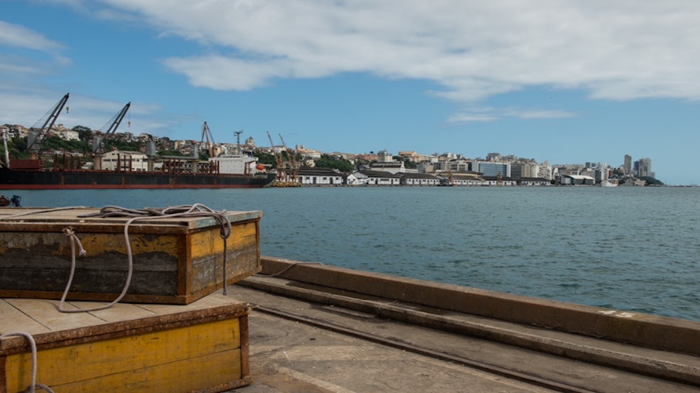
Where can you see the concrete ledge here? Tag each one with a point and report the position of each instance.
(668, 334)
(677, 367)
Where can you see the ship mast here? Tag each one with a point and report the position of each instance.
(238, 141)
(7, 153)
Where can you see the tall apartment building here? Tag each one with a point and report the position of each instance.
(492, 168)
(519, 170)
(643, 167)
(627, 166)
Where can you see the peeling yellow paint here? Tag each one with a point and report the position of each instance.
(176, 360)
(209, 242)
(97, 244)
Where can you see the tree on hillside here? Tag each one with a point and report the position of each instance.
(408, 164)
(332, 162)
(266, 158)
(84, 133)
(652, 181)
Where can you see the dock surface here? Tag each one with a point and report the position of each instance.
(305, 340)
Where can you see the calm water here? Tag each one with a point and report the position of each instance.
(634, 249)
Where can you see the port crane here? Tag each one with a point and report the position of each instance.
(292, 160)
(278, 158)
(206, 135)
(37, 134)
(98, 141)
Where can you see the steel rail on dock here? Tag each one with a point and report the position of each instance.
(441, 355)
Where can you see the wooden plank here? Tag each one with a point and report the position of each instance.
(46, 313)
(42, 316)
(32, 215)
(14, 320)
(211, 301)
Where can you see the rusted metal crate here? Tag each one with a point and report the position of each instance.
(200, 347)
(175, 260)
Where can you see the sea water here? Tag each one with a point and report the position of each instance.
(635, 249)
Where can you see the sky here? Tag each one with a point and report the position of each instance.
(562, 81)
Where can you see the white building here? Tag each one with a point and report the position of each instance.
(125, 161)
(319, 177)
(419, 179)
(68, 135)
(374, 178)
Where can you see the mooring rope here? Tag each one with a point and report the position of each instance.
(196, 210)
(32, 344)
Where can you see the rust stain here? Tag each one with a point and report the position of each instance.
(96, 244)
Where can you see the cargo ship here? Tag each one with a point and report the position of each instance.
(130, 170)
(229, 171)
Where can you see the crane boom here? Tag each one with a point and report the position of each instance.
(292, 160)
(98, 146)
(278, 159)
(206, 134)
(36, 135)
(117, 119)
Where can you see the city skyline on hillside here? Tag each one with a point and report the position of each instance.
(640, 167)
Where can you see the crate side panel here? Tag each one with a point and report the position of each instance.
(243, 257)
(156, 356)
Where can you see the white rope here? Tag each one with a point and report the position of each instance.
(73, 240)
(196, 210)
(32, 344)
(41, 211)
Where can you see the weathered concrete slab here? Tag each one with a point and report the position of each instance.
(289, 356)
(666, 334)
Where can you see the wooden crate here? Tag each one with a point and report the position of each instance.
(176, 260)
(201, 347)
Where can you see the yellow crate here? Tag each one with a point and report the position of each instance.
(176, 260)
(140, 348)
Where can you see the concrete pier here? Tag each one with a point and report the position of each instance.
(325, 329)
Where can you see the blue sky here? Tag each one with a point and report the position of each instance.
(563, 81)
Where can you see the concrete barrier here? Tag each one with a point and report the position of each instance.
(646, 330)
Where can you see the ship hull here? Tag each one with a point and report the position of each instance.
(78, 180)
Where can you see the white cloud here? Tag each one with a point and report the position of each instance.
(20, 36)
(614, 50)
(471, 118)
(487, 114)
(537, 114)
(16, 36)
